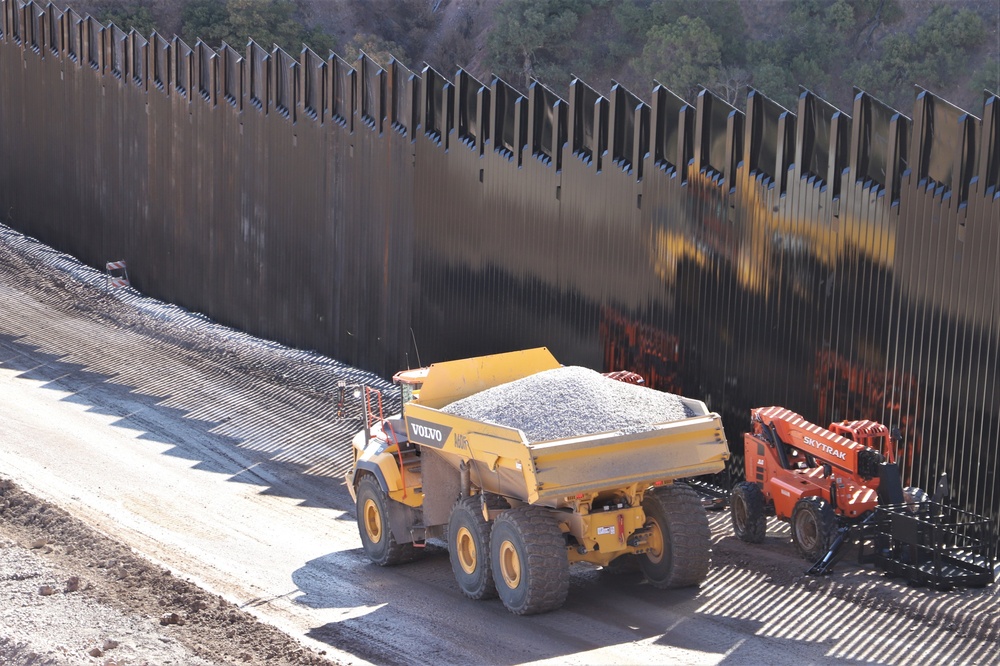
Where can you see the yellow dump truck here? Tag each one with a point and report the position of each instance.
(515, 511)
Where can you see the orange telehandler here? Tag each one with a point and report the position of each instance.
(843, 482)
(817, 478)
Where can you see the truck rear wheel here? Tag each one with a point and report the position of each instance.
(469, 549)
(746, 508)
(679, 541)
(814, 527)
(377, 540)
(530, 566)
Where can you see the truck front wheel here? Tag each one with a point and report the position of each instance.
(679, 540)
(469, 549)
(530, 566)
(377, 540)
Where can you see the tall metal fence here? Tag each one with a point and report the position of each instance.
(843, 265)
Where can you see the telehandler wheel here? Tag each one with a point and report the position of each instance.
(814, 527)
(679, 541)
(469, 549)
(530, 566)
(746, 508)
(373, 524)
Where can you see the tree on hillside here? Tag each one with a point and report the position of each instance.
(207, 20)
(723, 17)
(380, 50)
(236, 22)
(731, 84)
(870, 15)
(774, 81)
(809, 49)
(127, 16)
(681, 55)
(529, 36)
(400, 22)
(943, 42)
(455, 46)
(986, 78)
(267, 22)
(934, 54)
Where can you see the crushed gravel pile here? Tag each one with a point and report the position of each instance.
(570, 401)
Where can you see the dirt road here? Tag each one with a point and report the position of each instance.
(218, 456)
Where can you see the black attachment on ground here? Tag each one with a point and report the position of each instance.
(930, 543)
(713, 497)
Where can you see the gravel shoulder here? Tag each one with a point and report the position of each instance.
(71, 595)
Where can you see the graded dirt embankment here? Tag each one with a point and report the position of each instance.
(69, 595)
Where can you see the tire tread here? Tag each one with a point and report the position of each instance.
(756, 528)
(394, 552)
(827, 524)
(690, 539)
(547, 567)
(472, 504)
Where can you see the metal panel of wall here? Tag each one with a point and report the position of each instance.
(842, 265)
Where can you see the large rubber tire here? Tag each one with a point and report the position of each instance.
(469, 549)
(746, 508)
(530, 565)
(680, 540)
(915, 495)
(814, 527)
(377, 539)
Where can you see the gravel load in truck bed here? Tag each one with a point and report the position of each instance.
(570, 401)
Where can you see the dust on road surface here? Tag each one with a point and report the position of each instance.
(218, 457)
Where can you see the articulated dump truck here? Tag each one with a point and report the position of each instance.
(518, 501)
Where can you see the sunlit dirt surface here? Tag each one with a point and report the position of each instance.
(138, 438)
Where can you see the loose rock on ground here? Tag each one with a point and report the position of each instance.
(69, 596)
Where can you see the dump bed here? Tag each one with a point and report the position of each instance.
(667, 451)
(504, 460)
